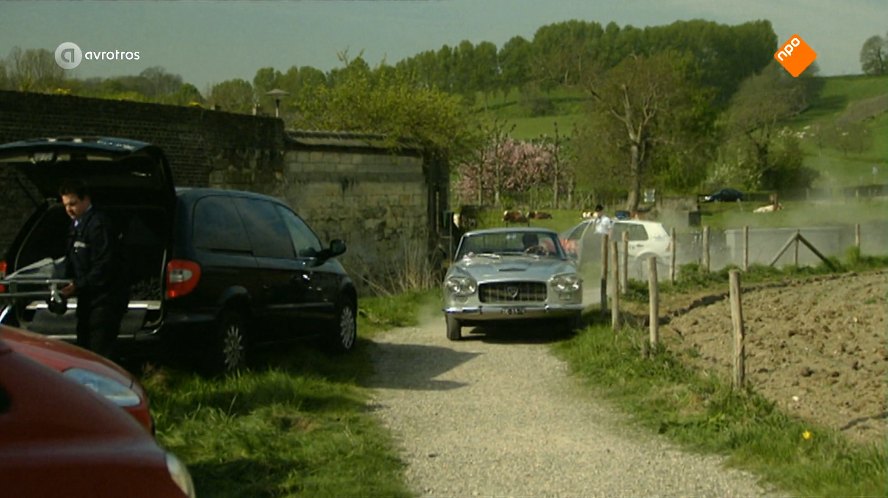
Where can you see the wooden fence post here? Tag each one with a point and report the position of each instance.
(795, 256)
(739, 378)
(672, 256)
(615, 291)
(745, 247)
(857, 235)
(706, 249)
(654, 301)
(624, 274)
(604, 258)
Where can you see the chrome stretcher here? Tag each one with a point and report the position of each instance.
(36, 281)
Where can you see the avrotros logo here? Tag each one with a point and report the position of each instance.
(68, 55)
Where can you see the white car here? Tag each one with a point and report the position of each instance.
(646, 239)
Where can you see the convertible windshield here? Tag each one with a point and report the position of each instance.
(515, 242)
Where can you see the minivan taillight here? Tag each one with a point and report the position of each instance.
(2, 274)
(182, 277)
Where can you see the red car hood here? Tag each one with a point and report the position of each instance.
(61, 356)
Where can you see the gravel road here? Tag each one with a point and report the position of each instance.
(498, 415)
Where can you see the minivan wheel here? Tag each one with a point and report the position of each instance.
(230, 342)
(346, 330)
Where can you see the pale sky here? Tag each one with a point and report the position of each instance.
(208, 42)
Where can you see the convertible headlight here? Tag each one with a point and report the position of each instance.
(460, 286)
(567, 283)
(116, 392)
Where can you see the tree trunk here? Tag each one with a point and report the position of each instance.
(635, 181)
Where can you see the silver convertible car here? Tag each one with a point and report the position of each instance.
(511, 274)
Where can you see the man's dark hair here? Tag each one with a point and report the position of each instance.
(75, 187)
(599, 207)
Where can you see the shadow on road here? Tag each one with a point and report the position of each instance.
(527, 332)
(414, 366)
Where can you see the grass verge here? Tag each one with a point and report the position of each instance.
(299, 426)
(380, 313)
(705, 414)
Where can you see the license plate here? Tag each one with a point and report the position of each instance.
(514, 311)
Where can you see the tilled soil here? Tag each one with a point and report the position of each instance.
(497, 415)
(817, 348)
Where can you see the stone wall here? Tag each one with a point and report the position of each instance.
(374, 200)
(347, 186)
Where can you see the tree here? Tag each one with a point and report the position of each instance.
(874, 56)
(233, 96)
(643, 107)
(157, 84)
(507, 167)
(514, 58)
(389, 104)
(266, 79)
(753, 120)
(33, 70)
(187, 94)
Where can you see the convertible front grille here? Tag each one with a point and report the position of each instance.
(512, 292)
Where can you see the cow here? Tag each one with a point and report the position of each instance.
(514, 217)
(770, 208)
(538, 215)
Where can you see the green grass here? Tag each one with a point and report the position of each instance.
(377, 314)
(567, 108)
(795, 214)
(299, 427)
(706, 415)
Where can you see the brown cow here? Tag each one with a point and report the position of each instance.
(539, 215)
(514, 217)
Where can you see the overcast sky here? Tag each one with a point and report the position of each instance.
(208, 42)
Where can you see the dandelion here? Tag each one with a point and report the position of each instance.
(807, 435)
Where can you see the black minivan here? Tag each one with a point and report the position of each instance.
(213, 271)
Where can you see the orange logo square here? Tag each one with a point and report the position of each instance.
(795, 55)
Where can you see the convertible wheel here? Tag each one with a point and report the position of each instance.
(573, 324)
(454, 329)
(345, 333)
(229, 351)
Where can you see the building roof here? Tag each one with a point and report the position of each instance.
(314, 138)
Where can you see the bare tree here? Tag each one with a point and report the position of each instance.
(637, 103)
(33, 70)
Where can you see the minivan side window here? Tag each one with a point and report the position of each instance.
(266, 229)
(304, 239)
(218, 227)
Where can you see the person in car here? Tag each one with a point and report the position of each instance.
(93, 263)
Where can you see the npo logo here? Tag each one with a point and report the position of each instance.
(795, 56)
(68, 55)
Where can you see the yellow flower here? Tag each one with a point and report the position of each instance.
(807, 435)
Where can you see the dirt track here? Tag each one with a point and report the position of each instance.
(497, 415)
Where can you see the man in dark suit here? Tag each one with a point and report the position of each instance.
(93, 263)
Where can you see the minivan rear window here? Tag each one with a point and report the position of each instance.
(218, 227)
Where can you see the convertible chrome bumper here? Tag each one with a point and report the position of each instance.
(513, 312)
